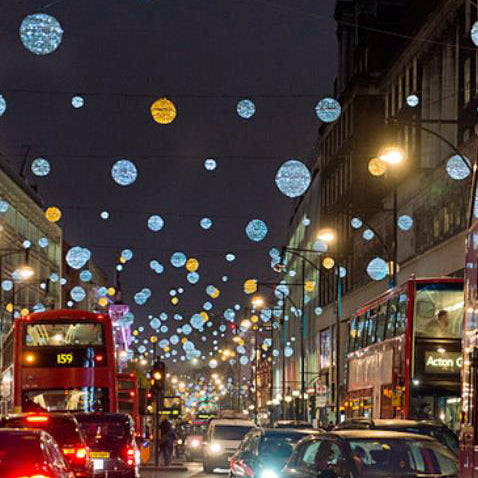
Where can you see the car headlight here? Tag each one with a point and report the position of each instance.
(215, 448)
(180, 442)
(195, 443)
(269, 474)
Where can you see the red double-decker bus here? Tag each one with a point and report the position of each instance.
(60, 360)
(404, 353)
(128, 397)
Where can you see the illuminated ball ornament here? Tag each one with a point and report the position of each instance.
(178, 259)
(3, 105)
(288, 351)
(293, 178)
(457, 169)
(163, 111)
(377, 269)
(127, 254)
(413, 101)
(77, 293)
(155, 223)
(230, 257)
(256, 230)
(368, 234)
(328, 110)
(41, 33)
(104, 215)
(77, 257)
(328, 262)
(41, 167)
(405, 222)
(86, 276)
(474, 33)
(43, 242)
(77, 102)
(193, 277)
(53, 214)
(156, 266)
(210, 164)
(192, 265)
(102, 301)
(124, 172)
(246, 109)
(205, 223)
(377, 167)
(356, 223)
(250, 286)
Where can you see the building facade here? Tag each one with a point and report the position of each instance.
(408, 77)
(27, 238)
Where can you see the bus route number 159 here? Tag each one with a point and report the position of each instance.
(64, 359)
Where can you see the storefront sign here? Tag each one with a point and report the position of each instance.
(448, 362)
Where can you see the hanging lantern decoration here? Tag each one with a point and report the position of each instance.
(163, 111)
(53, 214)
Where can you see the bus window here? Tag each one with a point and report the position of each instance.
(359, 343)
(401, 322)
(60, 334)
(381, 319)
(391, 318)
(353, 334)
(371, 325)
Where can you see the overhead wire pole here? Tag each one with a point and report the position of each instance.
(302, 349)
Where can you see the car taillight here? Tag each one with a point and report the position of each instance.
(76, 454)
(130, 456)
(37, 418)
(81, 453)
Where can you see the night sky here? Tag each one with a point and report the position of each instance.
(205, 55)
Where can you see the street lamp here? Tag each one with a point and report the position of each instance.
(391, 155)
(326, 235)
(25, 272)
(258, 301)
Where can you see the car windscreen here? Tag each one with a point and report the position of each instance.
(64, 431)
(442, 434)
(230, 432)
(398, 457)
(16, 448)
(278, 446)
(106, 431)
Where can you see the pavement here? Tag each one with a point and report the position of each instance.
(181, 470)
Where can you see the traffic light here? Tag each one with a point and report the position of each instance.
(158, 376)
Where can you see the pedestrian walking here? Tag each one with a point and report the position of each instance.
(166, 444)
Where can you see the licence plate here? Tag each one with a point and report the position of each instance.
(98, 464)
(100, 454)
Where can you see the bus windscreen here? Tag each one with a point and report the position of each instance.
(439, 311)
(57, 334)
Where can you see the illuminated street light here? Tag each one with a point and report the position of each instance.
(326, 235)
(391, 155)
(258, 301)
(25, 272)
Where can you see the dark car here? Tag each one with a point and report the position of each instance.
(437, 430)
(370, 454)
(264, 451)
(31, 453)
(64, 428)
(292, 424)
(111, 439)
